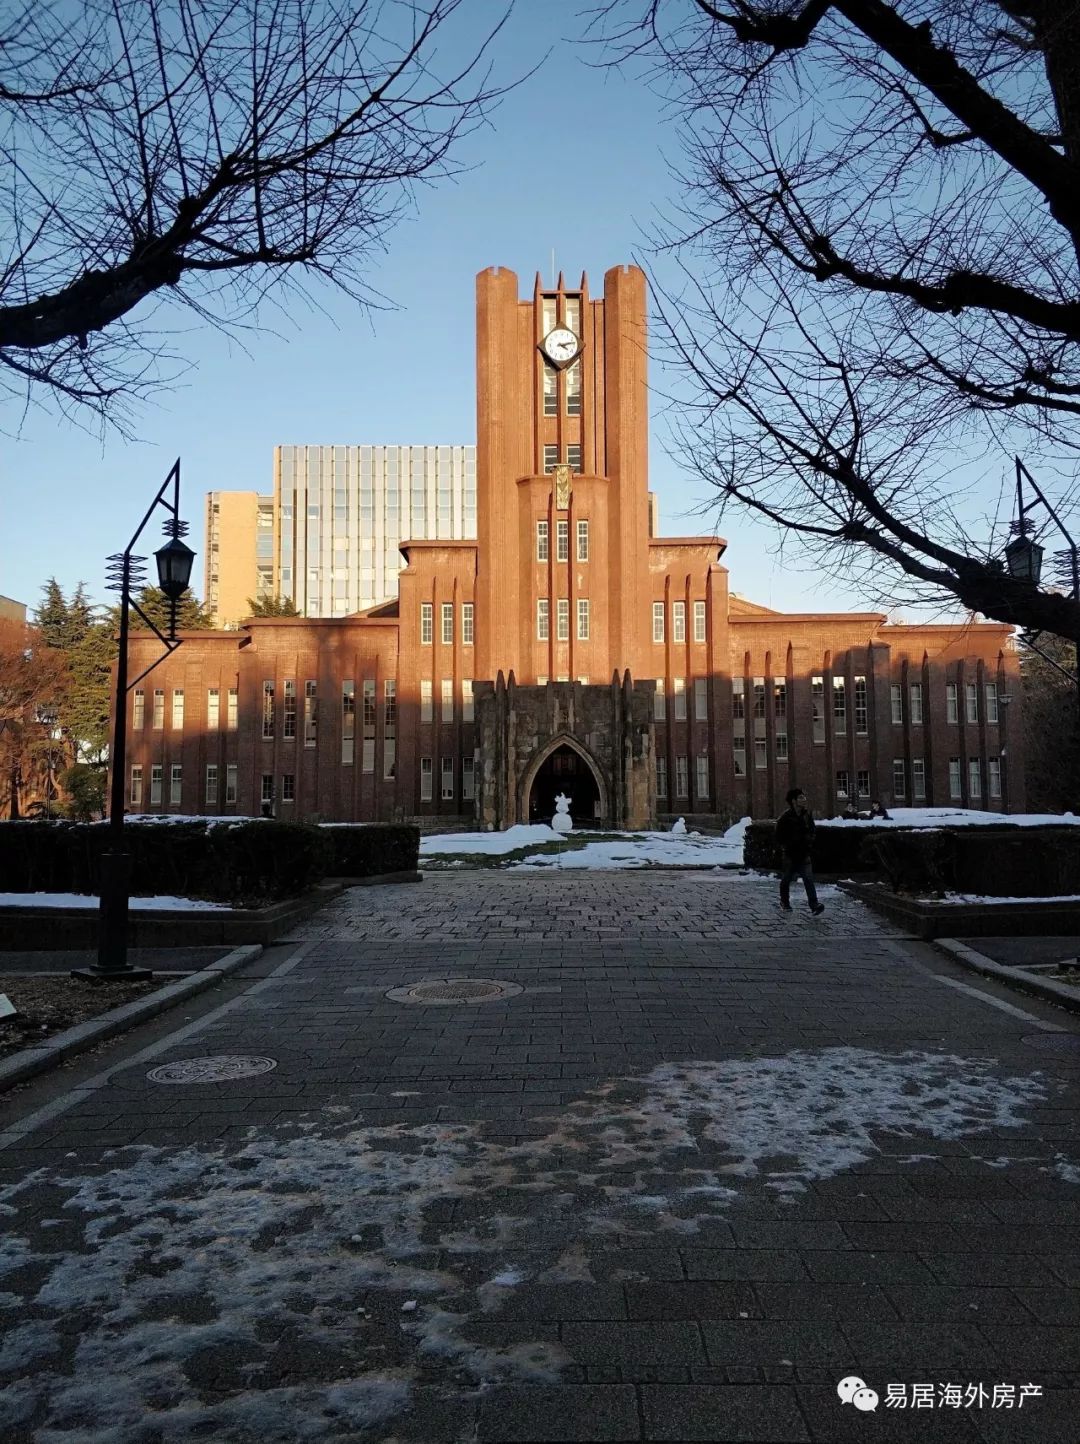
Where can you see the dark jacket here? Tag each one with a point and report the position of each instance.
(795, 834)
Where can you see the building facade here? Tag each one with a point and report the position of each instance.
(239, 556)
(567, 647)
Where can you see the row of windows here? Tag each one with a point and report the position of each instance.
(562, 541)
(678, 622)
(572, 389)
(678, 693)
(562, 619)
(427, 708)
(157, 716)
(446, 619)
(572, 457)
(682, 778)
(211, 793)
(447, 778)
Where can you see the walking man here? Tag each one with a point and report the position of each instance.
(795, 834)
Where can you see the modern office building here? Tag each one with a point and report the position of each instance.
(567, 646)
(239, 557)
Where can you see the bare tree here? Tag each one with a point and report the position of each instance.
(879, 276)
(199, 151)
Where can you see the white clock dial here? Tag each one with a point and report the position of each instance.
(560, 345)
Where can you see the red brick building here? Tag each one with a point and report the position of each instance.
(568, 648)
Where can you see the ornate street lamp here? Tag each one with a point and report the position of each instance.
(174, 561)
(1024, 557)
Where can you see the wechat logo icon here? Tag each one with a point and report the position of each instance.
(854, 1390)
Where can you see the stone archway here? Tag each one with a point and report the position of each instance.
(563, 766)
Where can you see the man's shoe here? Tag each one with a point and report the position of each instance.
(818, 910)
(785, 907)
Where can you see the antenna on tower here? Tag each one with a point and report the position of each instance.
(553, 268)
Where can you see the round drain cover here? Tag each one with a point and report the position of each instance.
(454, 990)
(210, 1070)
(1058, 1042)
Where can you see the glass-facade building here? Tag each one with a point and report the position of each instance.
(343, 511)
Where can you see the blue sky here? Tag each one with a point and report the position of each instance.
(574, 160)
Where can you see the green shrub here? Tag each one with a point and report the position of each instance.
(272, 860)
(1018, 862)
(918, 860)
(760, 848)
(368, 849)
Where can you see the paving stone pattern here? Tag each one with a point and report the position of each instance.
(573, 1190)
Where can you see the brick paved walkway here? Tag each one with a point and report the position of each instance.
(710, 1160)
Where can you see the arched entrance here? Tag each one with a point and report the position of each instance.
(565, 770)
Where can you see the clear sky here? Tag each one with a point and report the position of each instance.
(574, 160)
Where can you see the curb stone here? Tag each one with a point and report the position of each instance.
(51, 1054)
(1018, 978)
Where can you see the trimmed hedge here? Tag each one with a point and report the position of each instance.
(369, 849)
(996, 860)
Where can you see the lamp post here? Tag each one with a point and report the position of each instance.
(174, 561)
(1024, 557)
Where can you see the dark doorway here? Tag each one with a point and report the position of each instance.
(565, 771)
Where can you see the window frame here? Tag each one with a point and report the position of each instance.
(678, 622)
(543, 541)
(468, 624)
(659, 627)
(562, 539)
(583, 619)
(582, 539)
(543, 619)
(446, 627)
(427, 623)
(562, 619)
(427, 778)
(700, 622)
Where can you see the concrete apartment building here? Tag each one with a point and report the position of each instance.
(12, 611)
(567, 646)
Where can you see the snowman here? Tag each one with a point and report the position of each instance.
(562, 821)
(679, 827)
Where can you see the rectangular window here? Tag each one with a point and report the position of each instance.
(427, 623)
(232, 716)
(974, 778)
(447, 791)
(899, 778)
(267, 793)
(896, 704)
(699, 621)
(426, 711)
(310, 721)
(701, 778)
(862, 781)
(543, 619)
(288, 721)
(678, 621)
(781, 746)
(562, 541)
(993, 768)
(176, 785)
(738, 703)
(915, 704)
(583, 541)
(658, 621)
(551, 390)
(213, 709)
(918, 779)
(682, 777)
(467, 615)
(659, 709)
(288, 787)
(211, 783)
(573, 389)
(551, 458)
(583, 619)
(860, 707)
(390, 724)
(367, 761)
(425, 779)
(839, 705)
(230, 782)
(447, 709)
(739, 751)
(157, 721)
(448, 624)
(817, 707)
(759, 703)
(761, 759)
(135, 796)
(268, 710)
(972, 698)
(991, 704)
(468, 779)
(573, 458)
(562, 620)
(138, 710)
(468, 710)
(678, 686)
(348, 723)
(842, 783)
(955, 790)
(780, 704)
(951, 711)
(542, 541)
(661, 777)
(156, 775)
(701, 699)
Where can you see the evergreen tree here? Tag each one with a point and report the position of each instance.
(1051, 728)
(86, 714)
(191, 615)
(272, 607)
(52, 616)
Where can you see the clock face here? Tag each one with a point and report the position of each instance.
(560, 346)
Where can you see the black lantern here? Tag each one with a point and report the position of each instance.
(1024, 557)
(174, 561)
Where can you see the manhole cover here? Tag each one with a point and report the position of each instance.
(454, 990)
(210, 1070)
(1058, 1042)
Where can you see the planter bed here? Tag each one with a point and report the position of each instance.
(926, 918)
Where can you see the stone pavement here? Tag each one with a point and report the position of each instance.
(707, 1162)
(62, 960)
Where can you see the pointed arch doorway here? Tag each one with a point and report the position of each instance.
(565, 770)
